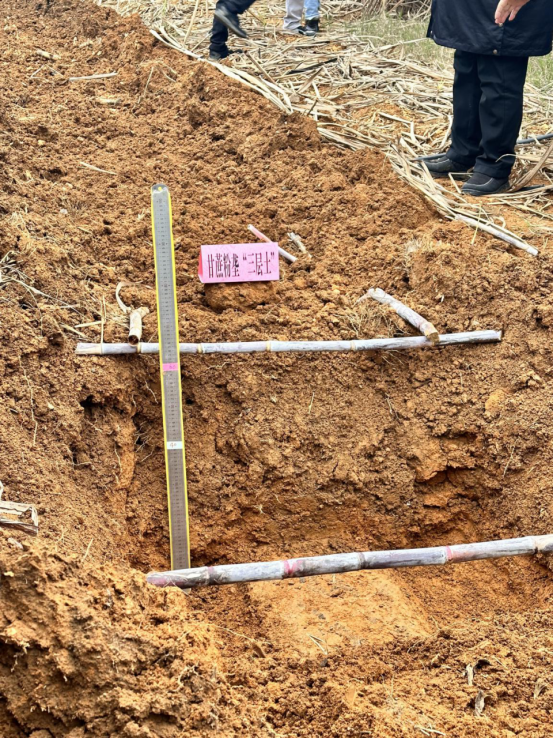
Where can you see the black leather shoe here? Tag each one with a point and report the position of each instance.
(443, 166)
(313, 24)
(231, 20)
(481, 184)
(217, 56)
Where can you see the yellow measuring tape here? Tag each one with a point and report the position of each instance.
(170, 367)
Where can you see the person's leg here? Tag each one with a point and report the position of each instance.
(227, 13)
(501, 111)
(311, 14)
(218, 39)
(293, 15)
(466, 127)
(238, 6)
(311, 10)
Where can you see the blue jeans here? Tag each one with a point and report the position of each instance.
(294, 8)
(311, 9)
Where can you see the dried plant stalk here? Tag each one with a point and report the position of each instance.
(17, 512)
(341, 563)
(406, 313)
(262, 237)
(135, 324)
(252, 347)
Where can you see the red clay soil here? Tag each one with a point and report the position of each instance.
(288, 455)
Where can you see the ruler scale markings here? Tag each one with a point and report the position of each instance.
(174, 446)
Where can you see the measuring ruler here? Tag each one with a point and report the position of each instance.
(172, 403)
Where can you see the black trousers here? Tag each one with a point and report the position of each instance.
(220, 33)
(488, 108)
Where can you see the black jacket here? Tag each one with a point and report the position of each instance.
(468, 25)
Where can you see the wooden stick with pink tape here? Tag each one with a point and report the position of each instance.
(340, 563)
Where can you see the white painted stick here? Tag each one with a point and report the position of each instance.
(340, 563)
(253, 347)
(282, 252)
(135, 324)
(406, 313)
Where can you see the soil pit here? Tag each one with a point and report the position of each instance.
(287, 455)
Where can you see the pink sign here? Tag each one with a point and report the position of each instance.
(239, 262)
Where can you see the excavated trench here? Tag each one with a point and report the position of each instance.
(287, 455)
(272, 483)
(262, 484)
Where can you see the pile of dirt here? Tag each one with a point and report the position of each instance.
(287, 455)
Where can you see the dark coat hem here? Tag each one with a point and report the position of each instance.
(472, 50)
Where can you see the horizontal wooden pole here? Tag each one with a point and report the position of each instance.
(252, 347)
(340, 563)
